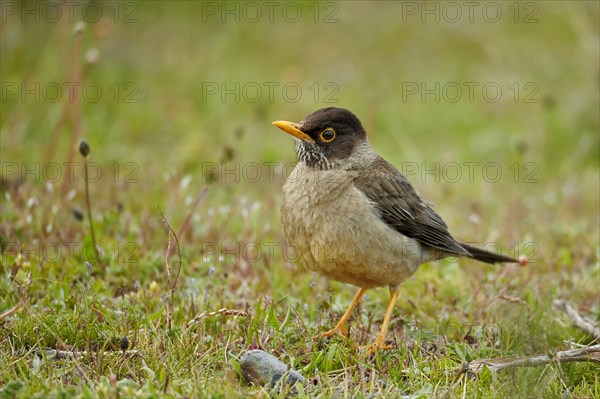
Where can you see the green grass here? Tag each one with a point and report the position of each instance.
(167, 144)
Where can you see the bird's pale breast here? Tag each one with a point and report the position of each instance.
(335, 230)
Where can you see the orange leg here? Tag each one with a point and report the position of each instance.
(379, 343)
(342, 326)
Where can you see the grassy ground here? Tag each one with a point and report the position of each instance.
(179, 118)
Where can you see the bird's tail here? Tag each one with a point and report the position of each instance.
(486, 256)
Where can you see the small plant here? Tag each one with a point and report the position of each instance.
(84, 150)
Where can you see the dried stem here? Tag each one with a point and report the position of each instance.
(84, 150)
(171, 231)
(578, 320)
(53, 354)
(186, 222)
(75, 105)
(586, 354)
(12, 310)
(172, 282)
(222, 312)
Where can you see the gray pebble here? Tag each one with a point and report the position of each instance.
(260, 368)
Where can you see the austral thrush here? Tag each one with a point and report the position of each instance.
(355, 218)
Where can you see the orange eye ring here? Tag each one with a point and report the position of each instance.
(327, 135)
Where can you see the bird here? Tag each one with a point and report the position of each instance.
(352, 216)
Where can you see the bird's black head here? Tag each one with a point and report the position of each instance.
(327, 137)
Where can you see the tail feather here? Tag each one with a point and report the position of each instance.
(486, 256)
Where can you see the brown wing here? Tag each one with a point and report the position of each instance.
(402, 208)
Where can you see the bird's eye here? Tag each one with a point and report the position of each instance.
(328, 135)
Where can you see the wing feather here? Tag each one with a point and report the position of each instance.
(401, 208)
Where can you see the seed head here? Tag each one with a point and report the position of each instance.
(84, 148)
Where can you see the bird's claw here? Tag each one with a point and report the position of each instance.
(339, 329)
(377, 346)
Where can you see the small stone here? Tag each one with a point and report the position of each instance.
(260, 368)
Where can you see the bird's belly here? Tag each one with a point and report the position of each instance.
(335, 231)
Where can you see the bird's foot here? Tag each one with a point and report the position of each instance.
(339, 329)
(377, 346)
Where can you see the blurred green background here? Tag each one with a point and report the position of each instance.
(173, 52)
(188, 90)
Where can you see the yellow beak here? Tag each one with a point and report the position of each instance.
(293, 129)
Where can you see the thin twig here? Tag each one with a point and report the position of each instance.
(513, 299)
(167, 266)
(52, 354)
(13, 309)
(172, 282)
(89, 210)
(187, 220)
(587, 354)
(578, 320)
(222, 312)
(75, 95)
(166, 384)
(84, 150)
(171, 231)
